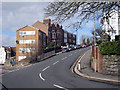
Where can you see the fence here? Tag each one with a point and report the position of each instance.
(45, 55)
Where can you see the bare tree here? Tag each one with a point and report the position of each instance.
(66, 10)
(98, 33)
(88, 41)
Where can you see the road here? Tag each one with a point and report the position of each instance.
(52, 73)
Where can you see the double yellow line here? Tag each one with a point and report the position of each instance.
(75, 63)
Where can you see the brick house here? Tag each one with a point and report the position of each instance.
(30, 42)
(33, 39)
(69, 38)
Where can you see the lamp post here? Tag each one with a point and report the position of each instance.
(76, 36)
(94, 38)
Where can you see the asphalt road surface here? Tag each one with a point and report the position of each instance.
(52, 73)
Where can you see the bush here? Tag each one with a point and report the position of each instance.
(99, 42)
(110, 48)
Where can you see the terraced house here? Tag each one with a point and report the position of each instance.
(31, 40)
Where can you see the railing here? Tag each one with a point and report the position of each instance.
(45, 55)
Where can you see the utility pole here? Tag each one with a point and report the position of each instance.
(94, 41)
(94, 36)
(76, 36)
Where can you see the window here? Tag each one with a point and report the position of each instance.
(65, 40)
(27, 33)
(52, 35)
(119, 20)
(114, 31)
(113, 20)
(26, 41)
(65, 35)
(27, 50)
(21, 57)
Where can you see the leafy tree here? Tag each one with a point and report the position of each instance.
(65, 10)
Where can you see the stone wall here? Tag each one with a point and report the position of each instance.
(111, 64)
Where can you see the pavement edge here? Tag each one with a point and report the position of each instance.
(74, 70)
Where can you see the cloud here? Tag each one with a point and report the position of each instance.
(90, 24)
(17, 15)
(7, 41)
(29, 0)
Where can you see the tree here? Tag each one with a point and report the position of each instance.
(98, 33)
(65, 10)
(88, 41)
(83, 38)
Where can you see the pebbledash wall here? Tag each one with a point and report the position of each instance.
(106, 64)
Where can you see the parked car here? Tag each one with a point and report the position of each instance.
(83, 46)
(70, 48)
(65, 50)
(78, 46)
(86, 45)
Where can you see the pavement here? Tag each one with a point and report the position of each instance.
(87, 72)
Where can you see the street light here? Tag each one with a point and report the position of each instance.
(76, 36)
(94, 37)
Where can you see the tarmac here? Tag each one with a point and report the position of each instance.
(87, 72)
(7, 69)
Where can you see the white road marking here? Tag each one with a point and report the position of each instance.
(59, 86)
(64, 58)
(55, 62)
(40, 75)
(70, 55)
(45, 68)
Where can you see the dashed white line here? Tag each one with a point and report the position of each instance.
(40, 75)
(45, 68)
(59, 87)
(70, 55)
(64, 58)
(55, 62)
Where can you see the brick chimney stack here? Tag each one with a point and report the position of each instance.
(47, 21)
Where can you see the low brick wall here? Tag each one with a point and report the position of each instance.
(99, 60)
(111, 64)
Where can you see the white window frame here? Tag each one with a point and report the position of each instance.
(26, 33)
(26, 41)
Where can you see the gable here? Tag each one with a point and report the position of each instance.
(41, 26)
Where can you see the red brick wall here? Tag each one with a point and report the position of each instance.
(99, 59)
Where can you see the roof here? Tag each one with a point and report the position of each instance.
(41, 26)
(28, 26)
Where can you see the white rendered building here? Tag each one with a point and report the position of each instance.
(112, 24)
(2, 55)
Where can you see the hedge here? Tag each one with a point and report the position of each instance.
(110, 48)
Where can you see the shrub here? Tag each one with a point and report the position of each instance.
(110, 48)
(99, 42)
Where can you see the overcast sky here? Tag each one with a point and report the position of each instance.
(16, 15)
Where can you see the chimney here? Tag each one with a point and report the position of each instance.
(47, 21)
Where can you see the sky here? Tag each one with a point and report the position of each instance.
(16, 15)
